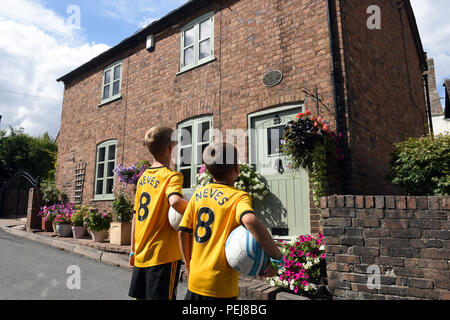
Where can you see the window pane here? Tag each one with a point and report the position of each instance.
(101, 154)
(189, 56)
(274, 137)
(112, 152)
(200, 150)
(106, 92)
(187, 177)
(185, 156)
(117, 72)
(205, 50)
(189, 37)
(100, 170)
(116, 88)
(109, 186)
(205, 29)
(186, 136)
(203, 132)
(110, 172)
(99, 189)
(107, 77)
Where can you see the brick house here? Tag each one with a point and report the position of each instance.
(202, 67)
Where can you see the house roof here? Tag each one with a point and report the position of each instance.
(189, 8)
(447, 98)
(156, 26)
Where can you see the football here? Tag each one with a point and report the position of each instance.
(244, 254)
(174, 216)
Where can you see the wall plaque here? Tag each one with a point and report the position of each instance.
(272, 78)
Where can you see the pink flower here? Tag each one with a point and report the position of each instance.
(323, 255)
(202, 169)
(304, 283)
(295, 289)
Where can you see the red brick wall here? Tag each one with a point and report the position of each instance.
(407, 238)
(386, 104)
(251, 38)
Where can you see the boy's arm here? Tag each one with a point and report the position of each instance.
(132, 240)
(178, 203)
(261, 235)
(185, 239)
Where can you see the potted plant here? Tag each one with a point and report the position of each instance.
(48, 214)
(120, 230)
(78, 227)
(98, 224)
(63, 221)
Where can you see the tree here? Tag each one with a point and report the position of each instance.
(20, 151)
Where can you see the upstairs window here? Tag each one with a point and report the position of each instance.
(104, 175)
(112, 82)
(197, 42)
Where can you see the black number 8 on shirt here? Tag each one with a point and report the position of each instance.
(203, 229)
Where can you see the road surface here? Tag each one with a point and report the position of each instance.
(34, 271)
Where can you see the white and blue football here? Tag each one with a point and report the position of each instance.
(244, 254)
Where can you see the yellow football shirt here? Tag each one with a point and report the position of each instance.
(213, 212)
(156, 242)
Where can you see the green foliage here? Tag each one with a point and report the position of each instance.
(77, 218)
(51, 194)
(421, 166)
(97, 221)
(122, 209)
(20, 151)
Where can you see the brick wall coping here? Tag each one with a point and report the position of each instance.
(386, 202)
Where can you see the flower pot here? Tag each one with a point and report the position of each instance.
(120, 233)
(99, 236)
(46, 225)
(63, 230)
(54, 225)
(78, 232)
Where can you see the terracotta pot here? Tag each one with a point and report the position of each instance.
(63, 230)
(46, 225)
(78, 232)
(99, 236)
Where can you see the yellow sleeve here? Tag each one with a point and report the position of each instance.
(243, 207)
(137, 199)
(186, 223)
(175, 185)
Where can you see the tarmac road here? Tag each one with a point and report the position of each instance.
(34, 271)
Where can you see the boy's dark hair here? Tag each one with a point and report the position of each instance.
(220, 159)
(157, 139)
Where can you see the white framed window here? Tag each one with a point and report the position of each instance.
(193, 137)
(104, 166)
(197, 42)
(112, 82)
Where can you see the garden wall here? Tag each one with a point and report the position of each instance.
(407, 238)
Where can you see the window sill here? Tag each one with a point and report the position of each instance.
(206, 61)
(103, 199)
(105, 102)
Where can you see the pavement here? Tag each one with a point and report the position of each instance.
(250, 288)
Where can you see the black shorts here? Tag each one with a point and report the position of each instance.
(198, 297)
(155, 283)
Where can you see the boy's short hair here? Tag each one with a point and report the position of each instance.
(157, 139)
(220, 159)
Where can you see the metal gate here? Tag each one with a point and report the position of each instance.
(14, 194)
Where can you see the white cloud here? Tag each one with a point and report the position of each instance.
(434, 27)
(37, 47)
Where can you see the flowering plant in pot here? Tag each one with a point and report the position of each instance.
(304, 259)
(98, 224)
(48, 213)
(249, 180)
(131, 174)
(77, 219)
(309, 143)
(63, 221)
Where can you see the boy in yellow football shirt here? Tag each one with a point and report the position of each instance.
(213, 212)
(155, 252)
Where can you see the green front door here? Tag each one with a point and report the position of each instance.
(286, 210)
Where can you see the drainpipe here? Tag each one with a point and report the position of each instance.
(427, 90)
(334, 81)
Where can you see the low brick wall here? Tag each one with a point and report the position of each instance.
(407, 238)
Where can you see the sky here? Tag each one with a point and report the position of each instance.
(41, 40)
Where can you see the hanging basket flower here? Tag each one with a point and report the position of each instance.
(309, 143)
